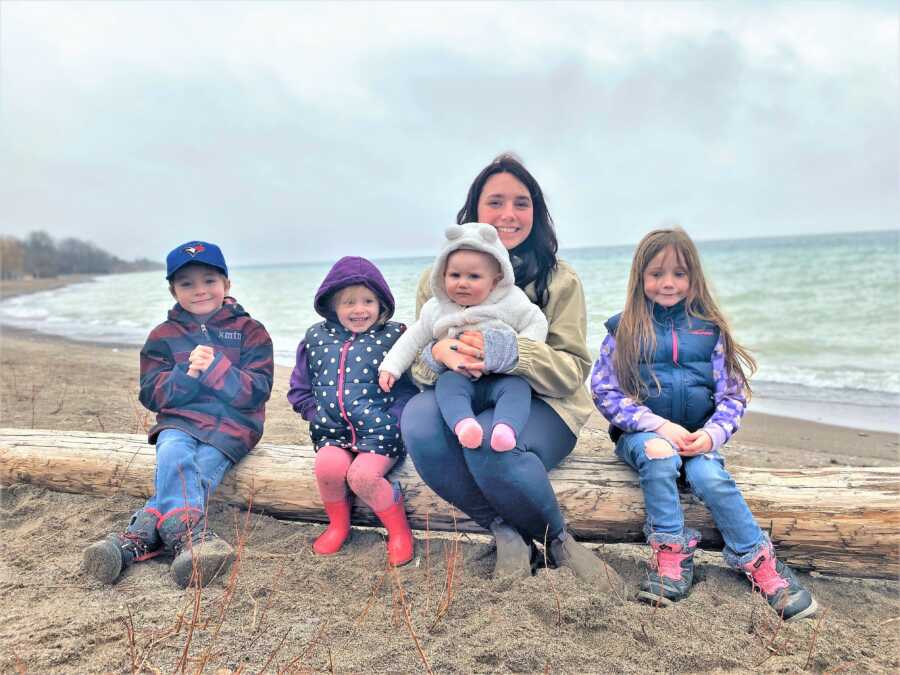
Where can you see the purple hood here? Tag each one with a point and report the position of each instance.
(353, 271)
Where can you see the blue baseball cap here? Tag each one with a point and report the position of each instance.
(195, 252)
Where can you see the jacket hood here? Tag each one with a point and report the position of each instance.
(353, 271)
(473, 237)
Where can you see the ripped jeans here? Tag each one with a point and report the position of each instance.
(708, 480)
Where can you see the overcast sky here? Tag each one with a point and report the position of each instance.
(301, 131)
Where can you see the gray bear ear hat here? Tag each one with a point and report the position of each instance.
(474, 237)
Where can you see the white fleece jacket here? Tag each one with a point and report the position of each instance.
(506, 308)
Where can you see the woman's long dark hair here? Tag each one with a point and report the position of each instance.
(535, 258)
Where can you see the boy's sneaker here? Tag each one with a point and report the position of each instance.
(671, 572)
(777, 583)
(197, 549)
(204, 551)
(105, 560)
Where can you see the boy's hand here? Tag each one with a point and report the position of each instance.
(695, 443)
(200, 359)
(674, 433)
(386, 380)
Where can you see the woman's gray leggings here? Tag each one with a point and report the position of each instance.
(483, 483)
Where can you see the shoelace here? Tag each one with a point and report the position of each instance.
(767, 578)
(137, 541)
(141, 546)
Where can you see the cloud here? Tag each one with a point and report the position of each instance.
(305, 131)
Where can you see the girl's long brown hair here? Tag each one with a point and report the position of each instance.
(635, 337)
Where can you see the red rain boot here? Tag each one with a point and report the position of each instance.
(333, 538)
(400, 539)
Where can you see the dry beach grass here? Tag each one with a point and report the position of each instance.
(284, 610)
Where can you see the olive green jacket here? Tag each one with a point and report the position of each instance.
(557, 369)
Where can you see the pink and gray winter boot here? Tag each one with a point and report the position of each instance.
(779, 586)
(671, 572)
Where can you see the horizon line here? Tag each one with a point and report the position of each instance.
(588, 247)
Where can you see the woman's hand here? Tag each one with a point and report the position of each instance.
(459, 356)
(695, 443)
(471, 344)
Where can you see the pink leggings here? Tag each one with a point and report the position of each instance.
(336, 468)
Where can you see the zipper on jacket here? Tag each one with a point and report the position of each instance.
(674, 345)
(203, 329)
(679, 390)
(340, 394)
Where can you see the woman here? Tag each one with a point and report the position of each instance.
(510, 492)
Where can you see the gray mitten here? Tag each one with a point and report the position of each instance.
(428, 359)
(501, 350)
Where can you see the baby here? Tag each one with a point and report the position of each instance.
(474, 290)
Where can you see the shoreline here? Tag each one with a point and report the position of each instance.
(831, 413)
(764, 426)
(11, 288)
(52, 382)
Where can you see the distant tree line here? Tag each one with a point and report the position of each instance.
(38, 255)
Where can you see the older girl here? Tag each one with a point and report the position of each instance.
(671, 381)
(509, 492)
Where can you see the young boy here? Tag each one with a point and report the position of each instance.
(207, 373)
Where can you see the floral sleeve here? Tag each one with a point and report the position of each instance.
(730, 401)
(616, 406)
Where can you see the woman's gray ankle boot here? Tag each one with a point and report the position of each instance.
(566, 552)
(513, 554)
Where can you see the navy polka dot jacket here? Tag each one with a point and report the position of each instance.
(351, 410)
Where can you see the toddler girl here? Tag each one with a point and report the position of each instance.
(670, 379)
(353, 424)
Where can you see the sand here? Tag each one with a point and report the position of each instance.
(284, 609)
(12, 287)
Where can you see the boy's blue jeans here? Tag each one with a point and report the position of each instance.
(708, 480)
(187, 473)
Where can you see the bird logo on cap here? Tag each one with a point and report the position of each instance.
(194, 250)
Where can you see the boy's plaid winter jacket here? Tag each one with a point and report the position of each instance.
(225, 406)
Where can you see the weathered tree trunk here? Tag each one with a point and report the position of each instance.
(840, 521)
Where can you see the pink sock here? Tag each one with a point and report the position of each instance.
(503, 438)
(469, 433)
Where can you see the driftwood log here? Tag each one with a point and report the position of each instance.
(842, 521)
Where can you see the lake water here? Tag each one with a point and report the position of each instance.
(821, 313)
